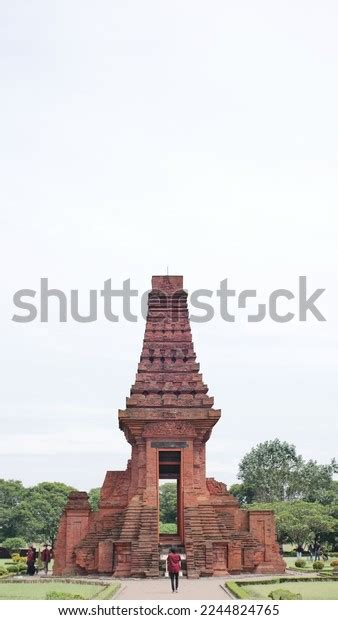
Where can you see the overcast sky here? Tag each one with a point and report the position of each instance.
(136, 135)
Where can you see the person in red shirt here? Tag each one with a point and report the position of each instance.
(31, 561)
(174, 567)
(46, 556)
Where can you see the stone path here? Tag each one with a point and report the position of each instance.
(204, 589)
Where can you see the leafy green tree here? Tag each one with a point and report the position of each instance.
(168, 502)
(268, 469)
(14, 544)
(333, 512)
(94, 498)
(275, 472)
(11, 494)
(38, 514)
(31, 513)
(313, 482)
(47, 501)
(244, 493)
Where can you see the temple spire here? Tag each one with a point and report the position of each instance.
(168, 374)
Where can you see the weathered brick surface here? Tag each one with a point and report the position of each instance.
(168, 402)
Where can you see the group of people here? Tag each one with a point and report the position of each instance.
(45, 555)
(315, 551)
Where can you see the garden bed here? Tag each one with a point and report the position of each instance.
(25, 589)
(310, 588)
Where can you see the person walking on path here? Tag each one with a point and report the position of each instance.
(174, 567)
(299, 551)
(46, 556)
(317, 550)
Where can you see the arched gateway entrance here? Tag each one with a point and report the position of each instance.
(167, 421)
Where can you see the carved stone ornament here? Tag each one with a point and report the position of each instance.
(216, 488)
(169, 429)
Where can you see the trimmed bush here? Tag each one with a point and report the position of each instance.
(284, 595)
(334, 563)
(16, 558)
(63, 596)
(3, 571)
(17, 567)
(237, 590)
(318, 565)
(107, 592)
(12, 568)
(300, 563)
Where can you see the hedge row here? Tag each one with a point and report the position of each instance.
(237, 588)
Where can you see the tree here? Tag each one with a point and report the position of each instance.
(46, 502)
(168, 502)
(32, 513)
(94, 498)
(244, 493)
(313, 482)
(300, 522)
(275, 472)
(11, 494)
(38, 513)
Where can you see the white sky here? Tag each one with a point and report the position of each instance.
(134, 135)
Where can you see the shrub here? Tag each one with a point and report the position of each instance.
(64, 596)
(21, 567)
(18, 559)
(237, 590)
(334, 563)
(3, 571)
(300, 563)
(284, 595)
(12, 568)
(318, 565)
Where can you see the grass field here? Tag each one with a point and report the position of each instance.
(168, 528)
(309, 591)
(38, 590)
(290, 562)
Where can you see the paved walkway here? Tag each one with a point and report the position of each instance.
(205, 589)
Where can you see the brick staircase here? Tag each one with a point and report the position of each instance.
(131, 520)
(136, 525)
(145, 552)
(205, 523)
(85, 550)
(210, 522)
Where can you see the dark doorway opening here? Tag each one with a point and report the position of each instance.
(170, 491)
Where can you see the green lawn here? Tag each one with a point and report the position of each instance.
(168, 528)
(290, 563)
(309, 591)
(38, 590)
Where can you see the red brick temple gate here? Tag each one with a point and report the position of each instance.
(167, 421)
